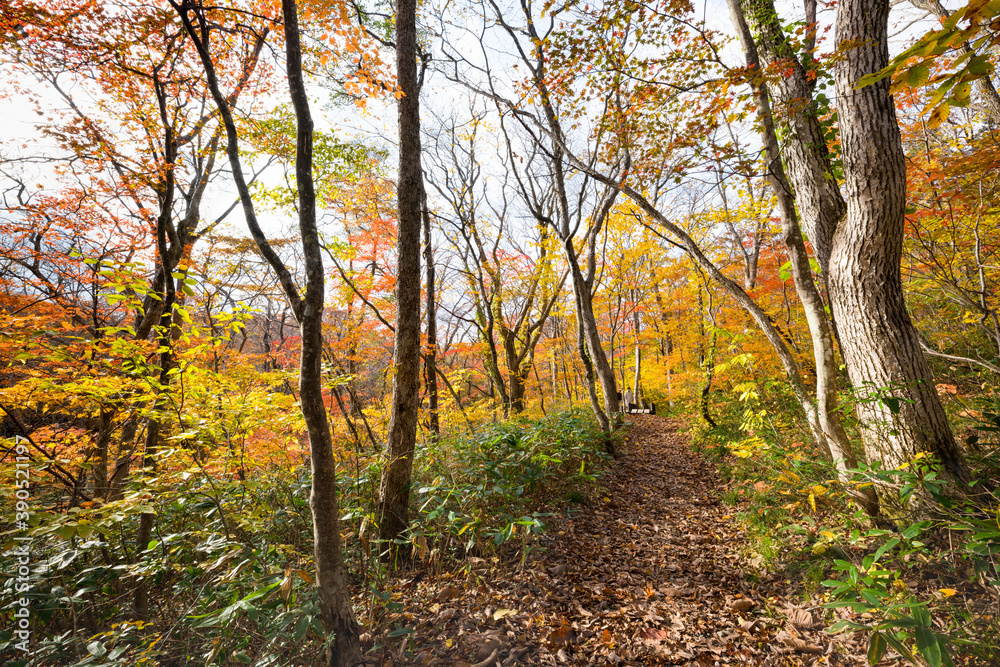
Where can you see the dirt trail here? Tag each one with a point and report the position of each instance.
(647, 572)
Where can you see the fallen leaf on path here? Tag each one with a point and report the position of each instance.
(798, 644)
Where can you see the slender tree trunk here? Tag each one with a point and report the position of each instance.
(554, 367)
(706, 387)
(591, 338)
(104, 428)
(335, 600)
(394, 492)
(165, 234)
(637, 380)
(430, 358)
(588, 372)
(879, 342)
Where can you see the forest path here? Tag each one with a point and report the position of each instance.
(647, 572)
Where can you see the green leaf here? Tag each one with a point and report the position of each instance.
(242, 657)
(96, 648)
(891, 544)
(874, 77)
(920, 613)
(962, 95)
(785, 272)
(898, 646)
(980, 66)
(301, 628)
(399, 632)
(877, 646)
(871, 596)
(929, 646)
(918, 75)
(915, 529)
(260, 592)
(892, 403)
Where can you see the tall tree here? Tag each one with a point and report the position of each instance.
(859, 243)
(830, 430)
(307, 306)
(900, 411)
(431, 353)
(508, 286)
(564, 216)
(394, 491)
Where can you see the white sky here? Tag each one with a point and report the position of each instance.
(377, 124)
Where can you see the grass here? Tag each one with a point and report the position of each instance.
(230, 573)
(928, 589)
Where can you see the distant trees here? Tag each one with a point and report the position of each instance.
(513, 292)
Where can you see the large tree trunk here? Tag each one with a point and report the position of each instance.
(879, 342)
(804, 150)
(833, 438)
(516, 376)
(394, 492)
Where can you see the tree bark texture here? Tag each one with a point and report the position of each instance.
(833, 438)
(394, 492)
(166, 235)
(337, 610)
(879, 342)
(588, 371)
(805, 150)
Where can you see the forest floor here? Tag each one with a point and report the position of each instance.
(652, 569)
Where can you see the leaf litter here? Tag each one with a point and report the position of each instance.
(651, 570)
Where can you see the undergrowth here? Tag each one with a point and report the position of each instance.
(229, 572)
(925, 590)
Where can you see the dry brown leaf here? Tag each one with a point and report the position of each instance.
(800, 618)
(446, 593)
(561, 636)
(798, 644)
(558, 570)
